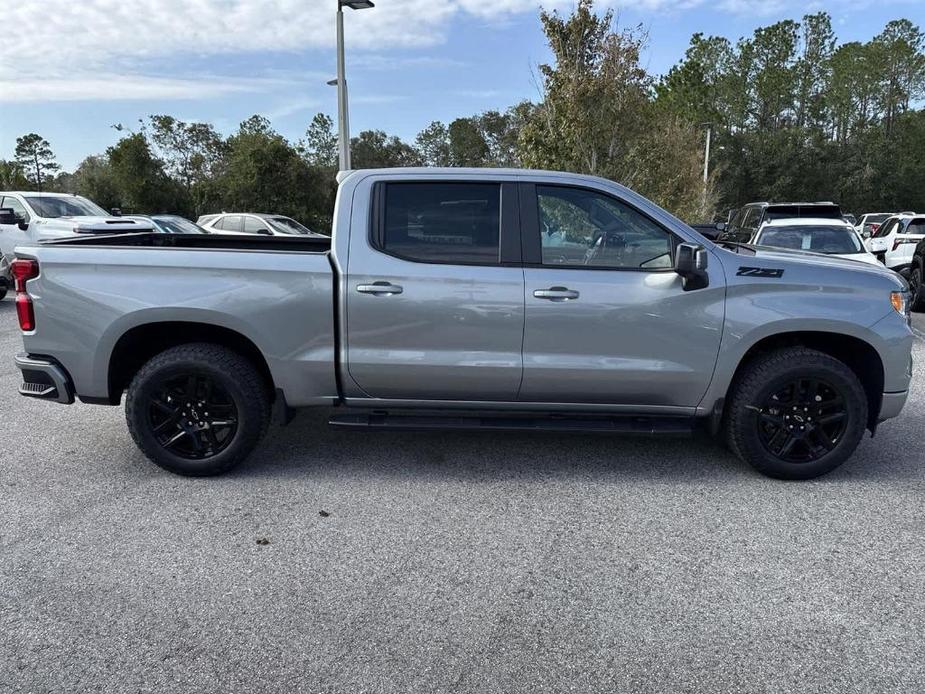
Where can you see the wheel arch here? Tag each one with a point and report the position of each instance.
(142, 342)
(857, 354)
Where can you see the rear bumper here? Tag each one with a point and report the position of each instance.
(45, 379)
(892, 405)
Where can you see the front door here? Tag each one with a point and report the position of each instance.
(607, 318)
(435, 307)
(11, 235)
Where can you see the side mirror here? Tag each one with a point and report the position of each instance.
(265, 232)
(116, 211)
(721, 226)
(7, 216)
(690, 263)
(865, 234)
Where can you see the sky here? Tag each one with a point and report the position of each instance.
(78, 67)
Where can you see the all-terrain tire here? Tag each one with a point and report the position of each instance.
(917, 300)
(761, 379)
(230, 373)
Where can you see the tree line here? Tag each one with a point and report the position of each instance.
(794, 116)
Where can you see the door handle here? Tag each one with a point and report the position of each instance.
(556, 294)
(379, 288)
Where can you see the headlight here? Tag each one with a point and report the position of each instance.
(900, 302)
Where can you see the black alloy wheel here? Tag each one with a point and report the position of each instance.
(192, 416)
(803, 421)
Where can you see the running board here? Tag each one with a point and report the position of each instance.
(644, 425)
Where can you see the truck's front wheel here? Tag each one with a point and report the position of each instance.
(796, 413)
(197, 409)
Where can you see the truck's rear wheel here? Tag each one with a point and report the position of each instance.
(197, 409)
(796, 413)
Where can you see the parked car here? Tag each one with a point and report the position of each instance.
(850, 218)
(746, 221)
(827, 236)
(171, 224)
(917, 278)
(252, 223)
(870, 222)
(470, 298)
(895, 240)
(28, 217)
(711, 231)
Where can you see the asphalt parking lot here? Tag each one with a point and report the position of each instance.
(452, 562)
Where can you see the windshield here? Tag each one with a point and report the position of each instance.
(876, 218)
(789, 211)
(178, 225)
(818, 239)
(73, 206)
(284, 225)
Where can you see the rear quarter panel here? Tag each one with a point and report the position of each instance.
(86, 298)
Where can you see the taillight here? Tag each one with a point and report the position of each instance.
(899, 242)
(22, 271)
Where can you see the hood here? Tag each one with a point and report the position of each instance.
(98, 225)
(822, 260)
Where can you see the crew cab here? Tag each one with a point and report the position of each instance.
(469, 298)
(35, 216)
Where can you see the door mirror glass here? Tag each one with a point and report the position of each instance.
(691, 264)
(265, 232)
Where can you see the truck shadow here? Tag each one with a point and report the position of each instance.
(310, 447)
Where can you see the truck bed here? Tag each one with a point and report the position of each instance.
(275, 293)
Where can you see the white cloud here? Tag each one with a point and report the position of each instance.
(109, 49)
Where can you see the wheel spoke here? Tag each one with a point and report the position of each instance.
(820, 437)
(169, 443)
(788, 446)
(825, 420)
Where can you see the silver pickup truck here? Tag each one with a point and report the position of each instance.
(469, 298)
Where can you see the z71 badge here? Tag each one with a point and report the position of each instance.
(760, 272)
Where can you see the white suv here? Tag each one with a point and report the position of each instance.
(895, 241)
(253, 223)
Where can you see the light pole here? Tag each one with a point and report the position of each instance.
(706, 155)
(343, 118)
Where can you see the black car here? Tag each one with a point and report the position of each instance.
(747, 220)
(917, 278)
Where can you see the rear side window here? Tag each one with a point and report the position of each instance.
(230, 223)
(916, 226)
(457, 223)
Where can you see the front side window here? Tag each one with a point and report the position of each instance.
(456, 223)
(18, 208)
(255, 225)
(584, 228)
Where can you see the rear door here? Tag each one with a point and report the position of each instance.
(434, 292)
(607, 319)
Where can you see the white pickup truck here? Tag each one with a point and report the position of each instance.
(32, 217)
(469, 298)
